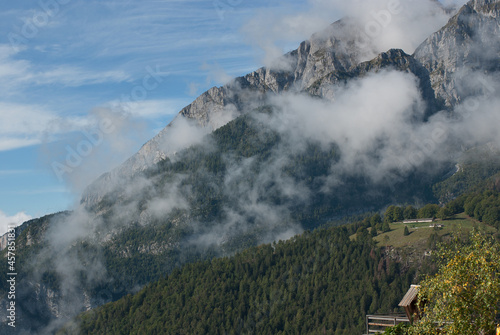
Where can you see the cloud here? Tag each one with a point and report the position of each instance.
(381, 25)
(16, 72)
(13, 172)
(149, 109)
(479, 113)
(15, 220)
(9, 67)
(376, 121)
(74, 76)
(182, 133)
(25, 125)
(453, 3)
(193, 89)
(216, 74)
(272, 30)
(109, 137)
(378, 109)
(170, 33)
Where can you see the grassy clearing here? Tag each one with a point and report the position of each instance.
(420, 232)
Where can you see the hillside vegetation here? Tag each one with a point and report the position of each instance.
(316, 283)
(320, 282)
(136, 254)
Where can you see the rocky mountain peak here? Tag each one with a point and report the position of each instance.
(468, 42)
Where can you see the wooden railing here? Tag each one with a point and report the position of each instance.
(378, 323)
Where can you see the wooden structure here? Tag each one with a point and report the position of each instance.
(409, 303)
(378, 323)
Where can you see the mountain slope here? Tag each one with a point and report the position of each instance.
(333, 50)
(316, 283)
(325, 137)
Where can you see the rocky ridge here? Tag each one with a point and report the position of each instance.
(468, 43)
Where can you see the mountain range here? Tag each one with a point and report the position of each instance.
(334, 129)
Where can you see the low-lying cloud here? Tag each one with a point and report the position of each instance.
(378, 123)
(15, 220)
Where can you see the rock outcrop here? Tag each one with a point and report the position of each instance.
(468, 43)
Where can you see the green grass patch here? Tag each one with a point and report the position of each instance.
(420, 232)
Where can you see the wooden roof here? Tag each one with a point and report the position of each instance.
(410, 296)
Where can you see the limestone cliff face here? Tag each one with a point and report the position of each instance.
(469, 42)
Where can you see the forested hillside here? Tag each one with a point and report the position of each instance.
(139, 254)
(320, 282)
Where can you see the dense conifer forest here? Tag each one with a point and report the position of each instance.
(321, 282)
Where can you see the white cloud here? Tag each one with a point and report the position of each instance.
(368, 116)
(14, 220)
(24, 119)
(24, 125)
(363, 110)
(384, 24)
(402, 24)
(216, 74)
(74, 76)
(9, 67)
(182, 133)
(109, 137)
(7, 144)
(453, 3)
(149, 108)
(17, 73)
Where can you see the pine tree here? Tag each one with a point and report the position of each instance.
(385, 227)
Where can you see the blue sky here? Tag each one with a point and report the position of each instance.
(65, 63)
